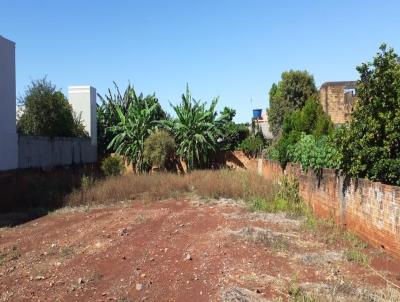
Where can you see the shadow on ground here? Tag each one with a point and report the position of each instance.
(30, 194)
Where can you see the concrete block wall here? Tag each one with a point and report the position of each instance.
(45, 152)
(369, 209)
(8, 132)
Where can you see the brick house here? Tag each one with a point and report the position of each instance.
(337, 100)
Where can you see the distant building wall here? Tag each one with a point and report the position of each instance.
(8, 133)
(45, 152)
(262, 125)
(337, 100)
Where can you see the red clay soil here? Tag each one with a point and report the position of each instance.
(180, 251)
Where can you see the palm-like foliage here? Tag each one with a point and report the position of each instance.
(131, 132)
(107, 115)
(196, 130)
(127, 120)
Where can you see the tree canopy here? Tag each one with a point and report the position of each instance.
(370, 146)
(232, 134)
(47, 112)
(291, 93)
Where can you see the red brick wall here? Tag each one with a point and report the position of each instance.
(369, 209)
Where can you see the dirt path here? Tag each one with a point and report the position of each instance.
(180, 251)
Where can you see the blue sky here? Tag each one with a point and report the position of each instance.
(232, 49)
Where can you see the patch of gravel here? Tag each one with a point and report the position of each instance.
(88, 208)
(321, 258)
(238, 294)
(274, 218)
(218, 201)
(267, 237)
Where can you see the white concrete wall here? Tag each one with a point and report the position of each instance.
(83, 101)
(8, 133)
(45, 152)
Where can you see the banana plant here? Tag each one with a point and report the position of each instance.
(131, 131)
(196, 130)
(107, 115)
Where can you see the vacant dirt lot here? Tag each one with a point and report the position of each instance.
(183, 251)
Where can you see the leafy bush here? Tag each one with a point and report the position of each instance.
(314, 153)
(159, 149)
(311, 119)
(285, 199)
(113, 165)
(370, 146)
(289, 189)
(47, 113)
(252, 145)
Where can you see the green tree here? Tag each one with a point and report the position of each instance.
(196, 130)
(48, 113)
(232, 134)
(371, 145)
(159, 149)
(107, 115)
(131, 131)
(290, 94)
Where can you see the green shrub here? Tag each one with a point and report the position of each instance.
(252, 145)
(285, 199)
(271, 152)
(289, 192)
(269, 206)
(159, 149)
(314, 153)
(113, 165)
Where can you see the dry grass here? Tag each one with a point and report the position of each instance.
(208, 184)
(129, 187)
(243, 185)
